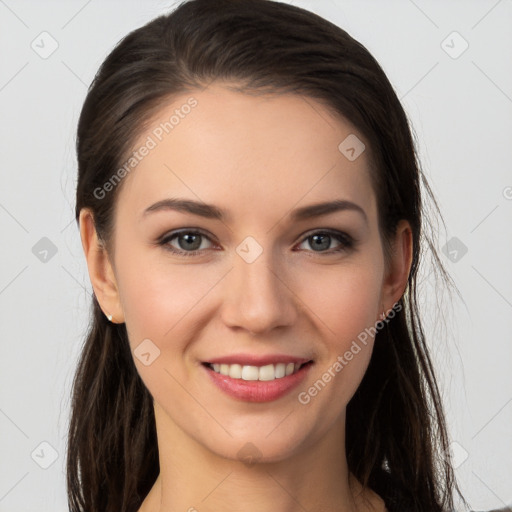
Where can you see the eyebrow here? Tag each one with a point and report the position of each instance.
(211, 211)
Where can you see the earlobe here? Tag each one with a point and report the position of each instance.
(397, 273)
(101, 272)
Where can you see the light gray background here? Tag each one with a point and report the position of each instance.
(461, 109)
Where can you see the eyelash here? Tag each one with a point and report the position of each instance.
(346, 241)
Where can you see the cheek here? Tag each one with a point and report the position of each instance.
(160, 297)
(345, 300)
(345, 303)
(163, 302)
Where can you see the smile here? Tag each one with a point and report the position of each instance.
(251, 383)
(249, 372)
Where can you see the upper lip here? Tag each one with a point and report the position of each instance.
(257, 360)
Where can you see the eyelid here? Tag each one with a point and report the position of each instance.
(327, 231)
(174, 232)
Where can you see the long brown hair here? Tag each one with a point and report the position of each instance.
(396, 437)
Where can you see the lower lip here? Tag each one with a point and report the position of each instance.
(258, 390)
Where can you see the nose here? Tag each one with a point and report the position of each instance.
(257, 297)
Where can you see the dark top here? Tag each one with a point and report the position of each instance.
(396, 501)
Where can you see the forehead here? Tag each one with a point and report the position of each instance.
(243, 151)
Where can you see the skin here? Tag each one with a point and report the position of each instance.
(258, 158)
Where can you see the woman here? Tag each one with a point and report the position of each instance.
(250, 209)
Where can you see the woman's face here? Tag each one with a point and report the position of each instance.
(255, 282)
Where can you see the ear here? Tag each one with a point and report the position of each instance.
(397, 271)
(101, 272)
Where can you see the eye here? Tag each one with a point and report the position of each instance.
(190, 242)
(321, 240)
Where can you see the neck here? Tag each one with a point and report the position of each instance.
(193, 478)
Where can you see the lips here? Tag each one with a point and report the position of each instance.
(257, 377)
(266, 389)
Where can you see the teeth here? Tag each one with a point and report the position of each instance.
(267, 372)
